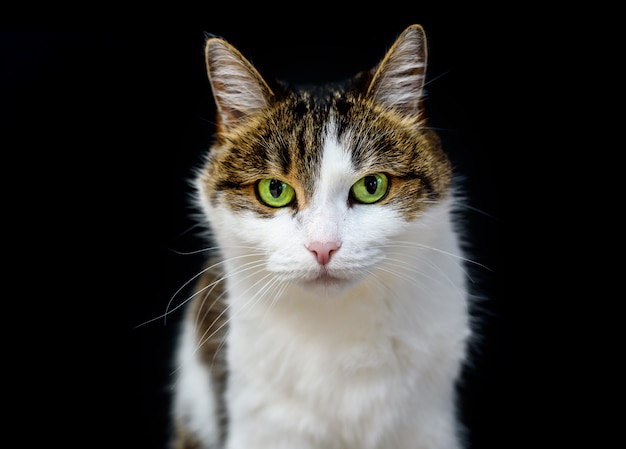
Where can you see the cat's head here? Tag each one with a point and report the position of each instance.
(314, 185)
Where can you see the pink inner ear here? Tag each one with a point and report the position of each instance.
(323, 250)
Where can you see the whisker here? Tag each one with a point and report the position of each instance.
(231, 316)
(213, 284)
(207, 334)
(468, 206)
(279, 287)
(389, 290)
(212, 248)
(222, 343)
(420, 257)
(274, 284)
(402, 264)
(404, 243)
(435, 78)
(402, 276)
(185, 285)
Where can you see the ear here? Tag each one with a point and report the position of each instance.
(237, 87)
(398, 81)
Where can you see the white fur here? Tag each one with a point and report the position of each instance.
(195, 401)
(367, 361)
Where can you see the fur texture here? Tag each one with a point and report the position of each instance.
(337, 318)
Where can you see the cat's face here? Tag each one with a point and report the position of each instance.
(317, 189)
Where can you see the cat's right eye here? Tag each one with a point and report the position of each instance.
(275, 193)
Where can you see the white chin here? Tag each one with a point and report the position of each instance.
(327, 283)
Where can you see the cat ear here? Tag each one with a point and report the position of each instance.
(238, 89)
(398, 81)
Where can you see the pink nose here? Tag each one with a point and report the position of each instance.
(323, 250)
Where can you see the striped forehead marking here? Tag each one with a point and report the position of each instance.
(336, 171)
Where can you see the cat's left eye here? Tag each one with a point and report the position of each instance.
(370, 189)
(275, 193)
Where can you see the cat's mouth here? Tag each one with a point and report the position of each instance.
(326, 279)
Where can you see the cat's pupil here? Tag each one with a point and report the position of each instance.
(371, 184)
(276, 188)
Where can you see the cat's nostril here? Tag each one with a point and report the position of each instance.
(323, 250)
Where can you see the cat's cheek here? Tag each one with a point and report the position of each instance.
(373, 225)
(267, 233)
(286, 248)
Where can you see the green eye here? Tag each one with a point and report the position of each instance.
(370, 188)
(275, 193)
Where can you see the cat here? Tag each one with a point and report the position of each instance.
(334, 311)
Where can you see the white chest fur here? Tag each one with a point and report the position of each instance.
(372, 368)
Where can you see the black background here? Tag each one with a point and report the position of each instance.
(101, 130)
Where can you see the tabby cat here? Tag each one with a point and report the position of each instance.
(333, 311)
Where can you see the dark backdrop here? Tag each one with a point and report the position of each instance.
(101, 130)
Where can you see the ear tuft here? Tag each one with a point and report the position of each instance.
(398, 81)
(238, 89)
